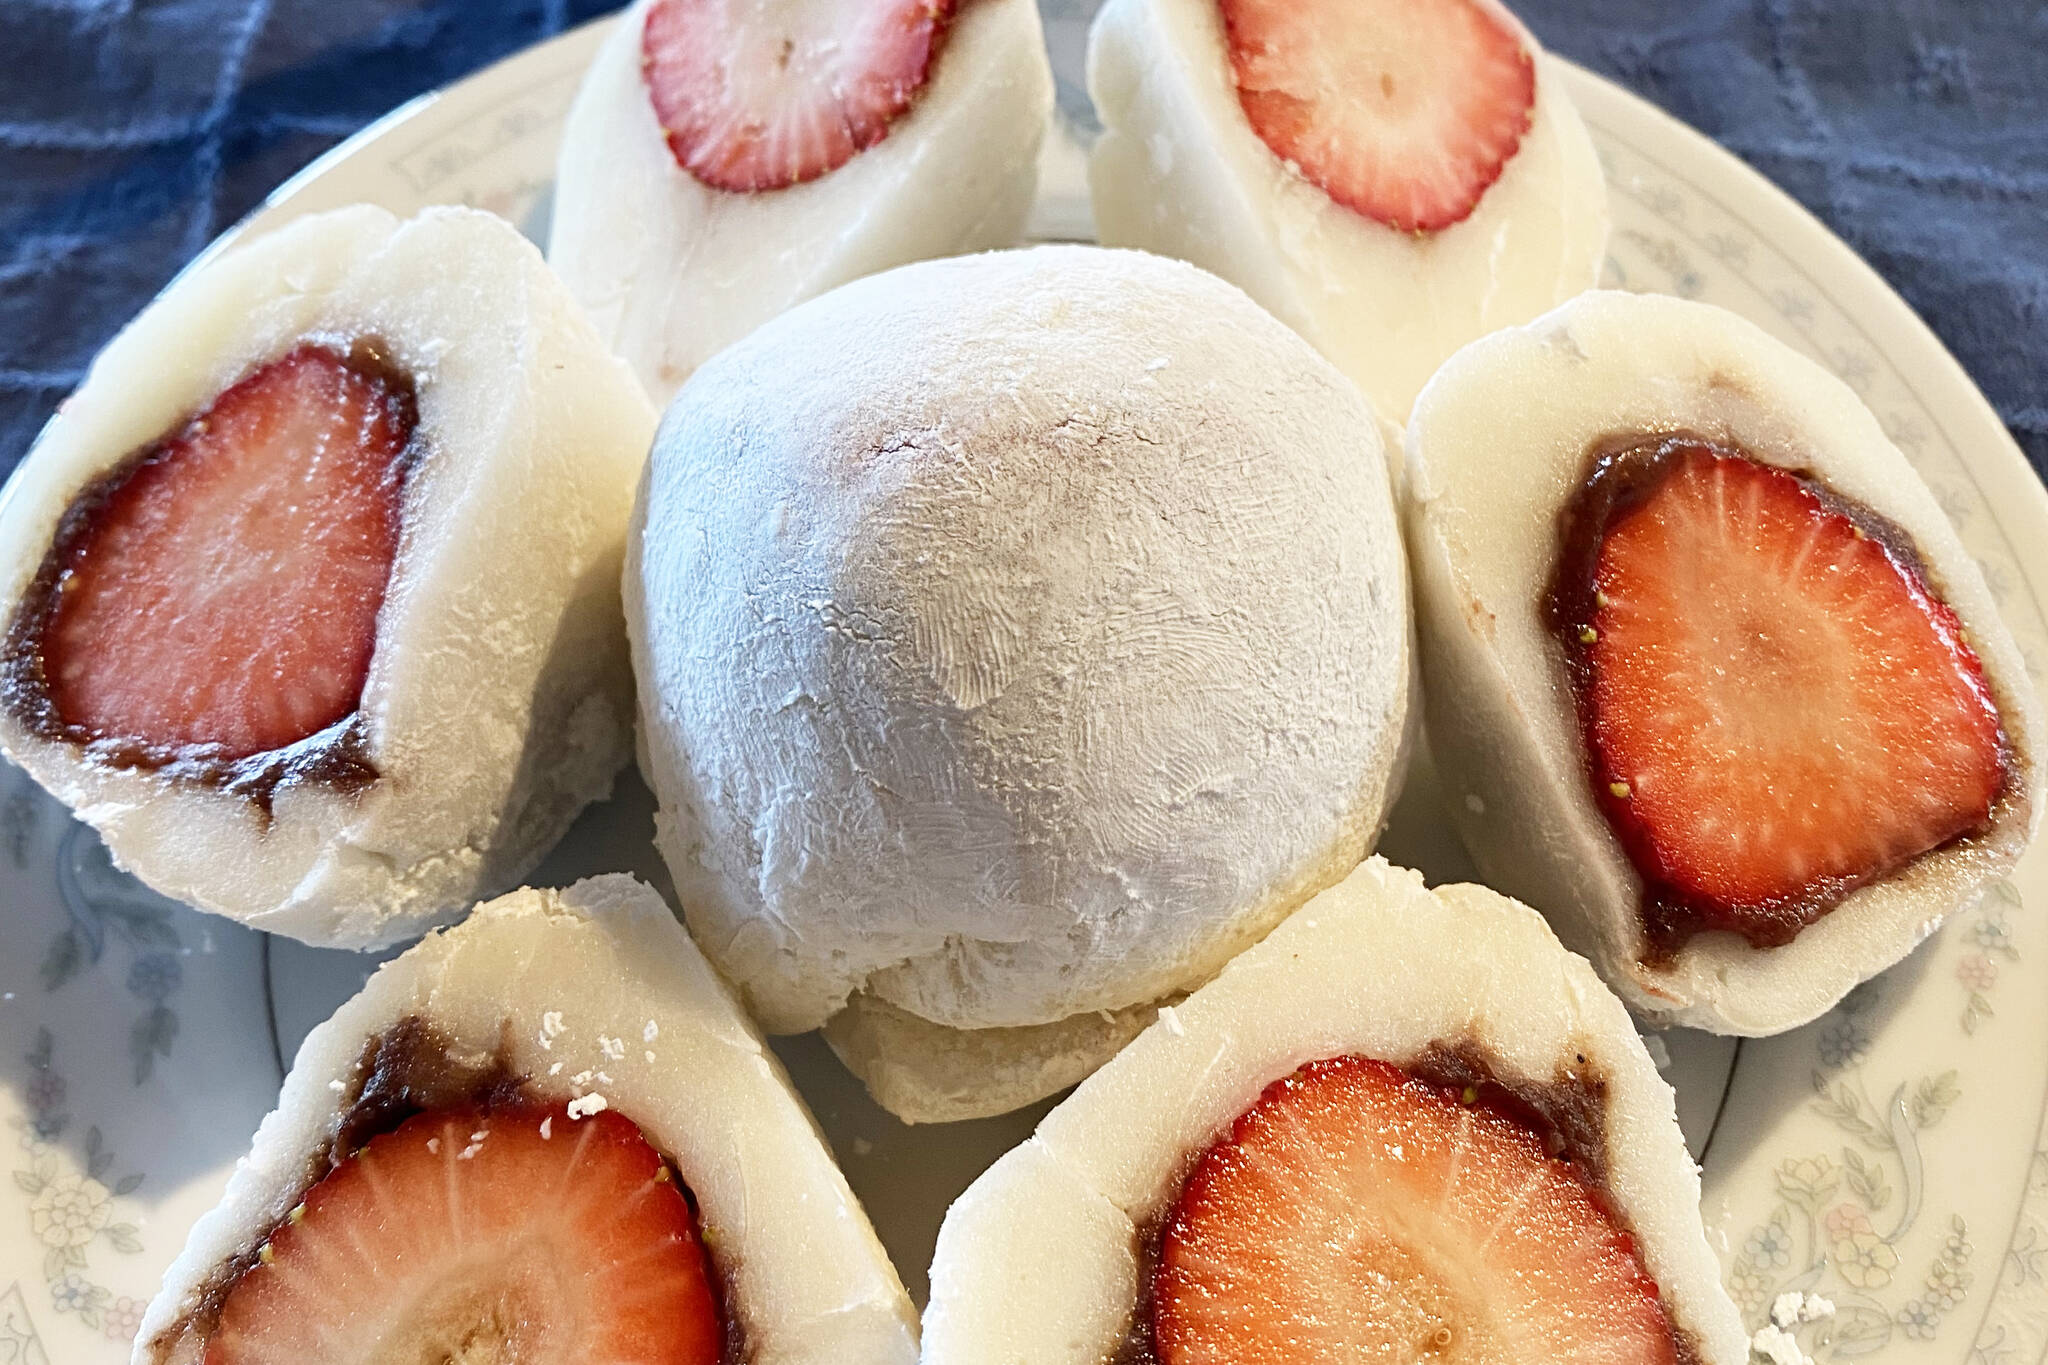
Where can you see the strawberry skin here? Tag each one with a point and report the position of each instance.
(1357, 1214)
(514, 1234)
(764, 94)
(1405, 111)
(217, 594)
(1777, 707)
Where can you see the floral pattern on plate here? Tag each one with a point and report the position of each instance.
(1921, 1128)
(1890, 1155)
(71, 1212)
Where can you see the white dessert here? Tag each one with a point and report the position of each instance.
(1180, 170)
(1039, 1262)
(498, 701)
(1019, 637)
(671, 269)
(1484, 501)
(553, 988)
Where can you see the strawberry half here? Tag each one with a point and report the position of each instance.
(1355, 1213)
(1777, 708)
(508, 1235)
(761, 96)
(219, 591)
(1403, 110)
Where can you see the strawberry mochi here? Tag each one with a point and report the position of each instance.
(1406, 1125)
(1711, 680)
(1019, 636)
(1391, 178)
(311, 587)
(723, 161)
(542, 1135)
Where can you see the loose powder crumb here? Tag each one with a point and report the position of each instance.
(584, 1107)
(1777, 1346)
(551, 1028)
(1792, 1308)
(613, 1048)
(1168, 1017)
(651, 1032)
(547, 1127)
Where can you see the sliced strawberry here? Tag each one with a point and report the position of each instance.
(220, 591)
(756, 95)
(508, 1235)
(1776, 705)
(1403, 110)
(1356, 1214)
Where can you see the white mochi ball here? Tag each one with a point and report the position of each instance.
(1019, 637)
(672, 269)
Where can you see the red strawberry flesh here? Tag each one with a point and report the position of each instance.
(1777, 707)
(515, 1234)
(1358, 1214)
(1405, 111)
(761, 96)
(218, 593)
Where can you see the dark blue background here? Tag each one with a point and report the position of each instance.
(132, 131)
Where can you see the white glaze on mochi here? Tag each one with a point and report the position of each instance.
(672, 270)
(801, 1267)
(1181, 171)
(1037, 1262)
(1019, 635)
(1483, 501)
(499, 696)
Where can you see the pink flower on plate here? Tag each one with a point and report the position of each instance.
(45, 1090)
(1978, 972)
(123, 1318)
(1845, 1221)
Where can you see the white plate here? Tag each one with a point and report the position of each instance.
(1891, 1155)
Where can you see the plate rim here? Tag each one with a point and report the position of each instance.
(1849, 282)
